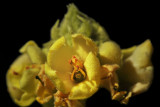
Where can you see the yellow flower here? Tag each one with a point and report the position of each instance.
(137, 71)
(74, 70)
(20, 77)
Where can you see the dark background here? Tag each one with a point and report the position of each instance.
(128, 23)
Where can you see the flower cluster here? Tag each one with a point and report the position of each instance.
(78, 61)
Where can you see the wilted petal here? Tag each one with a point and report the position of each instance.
(141, 57)
(110, 53)
(83, 90)
(137, 71)
(127, 52)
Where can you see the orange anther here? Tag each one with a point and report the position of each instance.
(15, 73)
(70, 61)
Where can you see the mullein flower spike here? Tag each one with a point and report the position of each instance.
(77, 61)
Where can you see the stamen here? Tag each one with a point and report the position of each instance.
(37, 77)
(78, 73)
(116, 86)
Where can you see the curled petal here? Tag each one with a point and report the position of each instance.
(24, 47)
(36, 55)
(28, 81)
(83, 90)
(92, 67)
(26, 99)
(110, 53)
(20, 63)
(13, 77)
(34, 52)
(137, 71)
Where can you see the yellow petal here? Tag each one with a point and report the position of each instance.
(13, 77)
(137, 72)
(59, 55)
(83, 90)
(83, 46)
(58, 83)
(43, 94)
(92, 67)
(20, 63)
(110, 53)
(36, 55)
(19, 97)
(15, 71)
(24, 47)
(14, 92)
(58, 59)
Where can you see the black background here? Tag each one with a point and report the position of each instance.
(127, 23)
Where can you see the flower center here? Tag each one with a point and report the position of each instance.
(78, 73)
